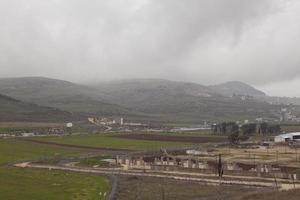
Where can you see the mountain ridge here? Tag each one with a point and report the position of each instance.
(144, 99)
(236, 88)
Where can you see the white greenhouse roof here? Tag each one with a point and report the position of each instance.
(287, 135)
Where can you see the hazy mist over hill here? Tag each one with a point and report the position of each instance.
(206, 42)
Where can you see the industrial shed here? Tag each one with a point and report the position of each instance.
(287, 137)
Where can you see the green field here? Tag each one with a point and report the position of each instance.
(183, 134)
(32, 184)
(104, 141)
(290, 128)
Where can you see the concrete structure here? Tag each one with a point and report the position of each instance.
(28, 134)
(184, 163)
(288, 137)
(69, 125)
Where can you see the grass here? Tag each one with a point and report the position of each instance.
(32, 184)
(183, 134)
(111, 142)
(291, 128)
(30, 125)
(13, 150)
(151, 188)
(93, 161)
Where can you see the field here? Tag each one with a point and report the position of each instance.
(29, 184)
(290, 128)
(174, 138)
(105, 141)
(150, 188)
(34, 184)
(30, 125)
(11, 127)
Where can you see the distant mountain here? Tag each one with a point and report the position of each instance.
(59, 94)
(180, 101)
(147, 100)
(236, 88)
(15, 110)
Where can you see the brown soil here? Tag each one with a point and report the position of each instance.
(166, 138)
(71, 145)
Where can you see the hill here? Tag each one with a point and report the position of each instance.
(147, 100)
(15, 110)
(236, 88)
(181, 101)
(60, 94)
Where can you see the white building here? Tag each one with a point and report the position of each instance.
(27, 134)
(287, 137)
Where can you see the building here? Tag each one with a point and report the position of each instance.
(27, 134)
(288, 137)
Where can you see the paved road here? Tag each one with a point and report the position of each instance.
(114, 188)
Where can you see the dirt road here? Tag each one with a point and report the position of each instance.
(213, 180)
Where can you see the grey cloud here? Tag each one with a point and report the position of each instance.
(198, 40)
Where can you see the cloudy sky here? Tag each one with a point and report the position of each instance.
(203, 41)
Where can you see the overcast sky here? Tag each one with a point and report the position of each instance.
(203, 41)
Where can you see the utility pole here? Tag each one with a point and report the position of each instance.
(163, 191)
(220, 167)
(293, 178)
(276, 183)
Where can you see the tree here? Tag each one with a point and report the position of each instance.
(272, 129)
(234, 138)
(264, 128)
(249, 129)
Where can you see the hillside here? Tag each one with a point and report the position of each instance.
(15, 110)
(181, 101)
(148, 100)
(236, 88)
(280, 100)
(59, 94)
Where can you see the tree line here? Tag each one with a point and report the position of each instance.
(238, 132)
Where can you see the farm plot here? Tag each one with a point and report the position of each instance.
(32, 184)
(173, 138)
(112, 142)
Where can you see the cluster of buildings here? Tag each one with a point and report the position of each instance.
(106, 121)
(286, 115)
(196, 162)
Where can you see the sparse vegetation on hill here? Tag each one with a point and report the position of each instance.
(236, 88)
(59, 94)
(181, 102)
(146, 100)
(15, 110)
